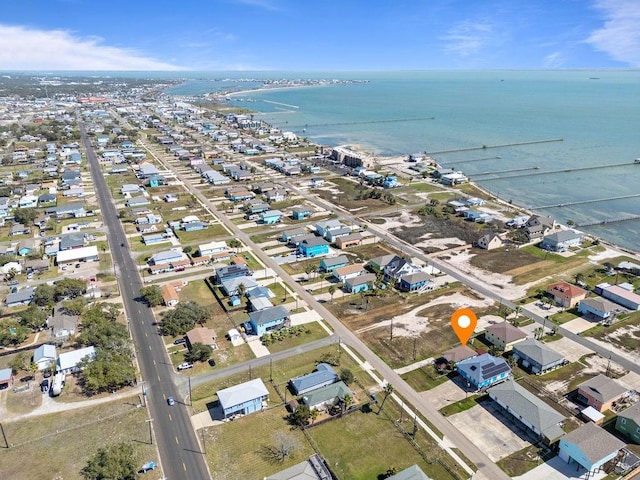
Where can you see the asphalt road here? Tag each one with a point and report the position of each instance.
(469, 449)
(180, 453)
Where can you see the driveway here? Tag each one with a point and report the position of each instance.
(557, 469)
(571, 350)
(446, 393)
(491, 430)
(578, 325)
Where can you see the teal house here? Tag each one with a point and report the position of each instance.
(244, 398)
(589, 447)
(330, 264)
(628, 423)
(361, 283)
(300, 213)
(313, 247)
(271, 217)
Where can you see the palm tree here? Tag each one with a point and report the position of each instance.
(235, 244)
(332, 290)
(308, 269)
(313, 414)
(347, 401)
(388, 390)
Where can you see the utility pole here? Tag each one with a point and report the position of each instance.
(415, 339)
(271, 370)
(4, 436)
(144, 395)
(391, 333)
(150, 431)
(190, 399)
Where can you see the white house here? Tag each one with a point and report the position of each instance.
(44, 355)
(68, 362)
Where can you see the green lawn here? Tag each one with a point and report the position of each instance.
(59, 445)
(313, 331)
(457, 407)
(425, 378)
(201, 236)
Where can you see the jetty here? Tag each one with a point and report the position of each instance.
(608, 220)
(496, 172)
(584, 202)
(476, 160)
(500, 145)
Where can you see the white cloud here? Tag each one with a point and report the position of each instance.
(554, 60)
(467, 38)
(30, 49)
(619, 37)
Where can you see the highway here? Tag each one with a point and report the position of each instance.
(486, 467)
(180, 453)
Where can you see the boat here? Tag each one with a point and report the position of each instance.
(637, 160)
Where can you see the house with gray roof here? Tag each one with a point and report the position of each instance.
(62, 324)
(244, 398)
(561, 241)
(326, 396)
(598, 308)
(484, 370)
(21, 297)
(44, 355)
(589, 447)
(313, 468)
(70, 241)
(322, 376)
(268, 319)
(529, 410)
(628, 423)
(600, 392)
(414, 472)
(504, 335)
(536, 356)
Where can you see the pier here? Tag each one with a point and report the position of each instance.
(496, 172)
(583, 202)
(367, 122)
(608, 220)
(566, 170)
(476, 160)
(502, 145)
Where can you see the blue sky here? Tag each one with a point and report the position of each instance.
(318, 35)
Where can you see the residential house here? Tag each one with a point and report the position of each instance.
(454, 355)
(157, 238)
(259, 303)
(276, 195)
(322, 228)
(19, 298)
(289, 236)
(589, 446)
(378, 264)
(300, 213)
(347, 241)
(313, 468)
(397, 268)
(484, 370)
(628, 423)
(231, 271)
(46, 199)
(342, 274)
(137, 202)
(232, 286)
(331, 263)
(504, 335)
(326, 396)
(62, 324)
(414, 282)
(69, 362)
(6, 378)
(538, 226)
(268, 319)
(44, 355)
(322, 376)
(70, 241)
(130, 188)
(18, 229)
(454, 178)
(244, 398)
(536, 356)
(203, 335)
(529, 410)
(489, 241)
(599, 308)
(600, 392)
(84, 254)
(169, 295)
(28, 201)
(361, 283)
(622, 296)
(313, 247)
(271, 217)
(561, 241)
(210, 248)
(414, 472)
(566, 295)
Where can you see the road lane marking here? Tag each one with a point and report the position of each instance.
(158, 377)
(177, 441)
(170, 418)
(184, 466)
(154, 361)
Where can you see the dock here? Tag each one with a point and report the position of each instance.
(583, 202)
(366, 122)
(502, 145)
(496, 172)
(566, 170)
(476, 160)
(606, 221)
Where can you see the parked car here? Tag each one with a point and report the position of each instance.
(45, 385)
(180, 340)
(170, 400)
(212, 362)
(185, 366)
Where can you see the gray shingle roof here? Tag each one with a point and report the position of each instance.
(603, 388)
(632, 413)
(269, 315)
(530, 408)
(595, 442)
(538, 352)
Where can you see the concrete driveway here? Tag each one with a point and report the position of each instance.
(571, 350)
(446, 393)
(557, 469)
(491, 430)
(578, 325)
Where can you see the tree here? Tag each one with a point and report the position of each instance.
(346, 402)
(12, 333)
(117, 461)
(199, 353)
(75, 306)
(188, 249)
(183, 318)
(301, 416)
(100, 311)
(32, 317)
(283, 447)
(235, 244)
(152, 294)
(21, 361)
(107, 371)
(69, 288)
(346, 376)
(332, 290)
(313, 415)
(308, 270)
(388, 390)
(25, 216)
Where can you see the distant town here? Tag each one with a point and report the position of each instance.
(189, 292)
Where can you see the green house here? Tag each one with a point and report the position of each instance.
(628, 423)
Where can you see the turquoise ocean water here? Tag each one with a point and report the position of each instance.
(596, 113)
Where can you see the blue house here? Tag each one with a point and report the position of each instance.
(243, 399)
(312, 247)
(323, 227)
(414, 281)
(484, 370)
(589, 447)
(300, 213)
(232, 271)
(290, 235)
(193, 226)
(264, 321)
(323, 375)
(360, 283)
(271, 217)
(390, 182)
(330, 264)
